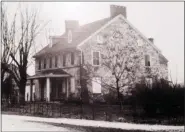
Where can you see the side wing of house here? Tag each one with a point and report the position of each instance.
(95, 45)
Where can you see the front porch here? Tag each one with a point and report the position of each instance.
(51, 87)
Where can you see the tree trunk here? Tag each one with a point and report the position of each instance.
(118, 93)
(22, 92)
(117, 88)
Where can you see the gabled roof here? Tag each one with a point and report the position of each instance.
(84, 33)
(78, 35)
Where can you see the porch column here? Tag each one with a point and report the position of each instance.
(48, 89)
(31, 89)
(67, 88)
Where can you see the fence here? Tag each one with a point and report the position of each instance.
(90, 111)
(82, 111)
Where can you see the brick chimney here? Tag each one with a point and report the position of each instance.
(151, 40)
(116, 10)
(71, 25)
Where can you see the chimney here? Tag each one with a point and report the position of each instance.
(116, 10)
(71, 25)
(151, 40)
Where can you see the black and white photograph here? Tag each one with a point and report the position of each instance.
(92, 66)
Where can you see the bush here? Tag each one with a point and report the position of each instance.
(161, 99)
(111, 98)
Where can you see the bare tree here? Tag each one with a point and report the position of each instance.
(7, 42)
(120, 63)
(22, 36)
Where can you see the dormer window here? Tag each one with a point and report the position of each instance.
(69, 36)
(99, 39)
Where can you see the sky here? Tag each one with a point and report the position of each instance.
(163, 21)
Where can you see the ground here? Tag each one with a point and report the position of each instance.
(18, 124)
(30, 123)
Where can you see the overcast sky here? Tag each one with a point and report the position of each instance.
(164, 21)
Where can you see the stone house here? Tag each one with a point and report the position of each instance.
(57, 65)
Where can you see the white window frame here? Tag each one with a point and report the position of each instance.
(139, 43)
(94, 82)
(99, 57)
(99, 39)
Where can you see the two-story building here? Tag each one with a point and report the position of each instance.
(57, 65)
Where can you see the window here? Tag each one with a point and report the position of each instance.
(64, 60)
(139, 42)
(96, 85)
(147, 60)
(96, 58)
(50, 62)
(44, 63)
(82, 58)
(149, 82)
(72, 58)
(56, 61)
(72, 85)
(69, 36)
(39, 64)
(99, 39)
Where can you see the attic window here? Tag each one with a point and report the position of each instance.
(139, 43)
(99, 39)
(69, 36)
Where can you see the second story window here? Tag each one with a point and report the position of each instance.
(44, 63)
(39, 64)
(147, 60)
(72, 58)
(96, 58)
(50, 62)
(56, 61)
(64, 60)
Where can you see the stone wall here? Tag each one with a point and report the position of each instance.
(131, 37)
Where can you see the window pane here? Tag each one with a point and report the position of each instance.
(56, 61)
(147, 60)
(44, 63)
(96, 85)
(39, 64)
(64, 60)
(96, 58)
(50, 62)
(72, 58)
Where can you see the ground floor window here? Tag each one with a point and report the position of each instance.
(149, 82)
(96, 85)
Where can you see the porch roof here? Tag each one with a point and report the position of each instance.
(50, 73)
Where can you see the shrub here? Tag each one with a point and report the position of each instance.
(161, 99)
